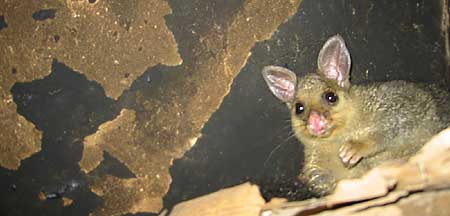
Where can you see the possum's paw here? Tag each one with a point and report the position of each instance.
(319, 181)
(351, 153)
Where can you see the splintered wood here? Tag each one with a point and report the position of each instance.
(242, 200)
(417, 186)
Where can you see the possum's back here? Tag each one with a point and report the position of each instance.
(406, 114)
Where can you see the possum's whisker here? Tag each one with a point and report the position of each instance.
(271, 153)
(286, 127)
(290, 135)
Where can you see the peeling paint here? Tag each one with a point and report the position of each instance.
(147, 142)
(86, 36)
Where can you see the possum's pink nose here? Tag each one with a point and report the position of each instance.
(316, 123)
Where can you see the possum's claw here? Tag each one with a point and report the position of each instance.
(350, 154)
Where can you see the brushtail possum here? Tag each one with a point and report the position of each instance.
(347, 129)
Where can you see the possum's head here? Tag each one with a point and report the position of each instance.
(319, 102)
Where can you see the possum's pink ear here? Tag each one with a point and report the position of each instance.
(334, 61)
(281, 82)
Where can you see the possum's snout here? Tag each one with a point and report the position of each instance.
(318, 124)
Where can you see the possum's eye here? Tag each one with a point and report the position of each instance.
(299, 108)
(330, 97)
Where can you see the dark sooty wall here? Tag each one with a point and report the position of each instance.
(248, 138)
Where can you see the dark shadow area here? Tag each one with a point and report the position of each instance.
(149, 85)
(188, 22)
(247, 139)
(112, 166)
(3, 23)
(44, 14)
(66, 107)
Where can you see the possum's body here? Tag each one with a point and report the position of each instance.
(348, 129)
(395, 117)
